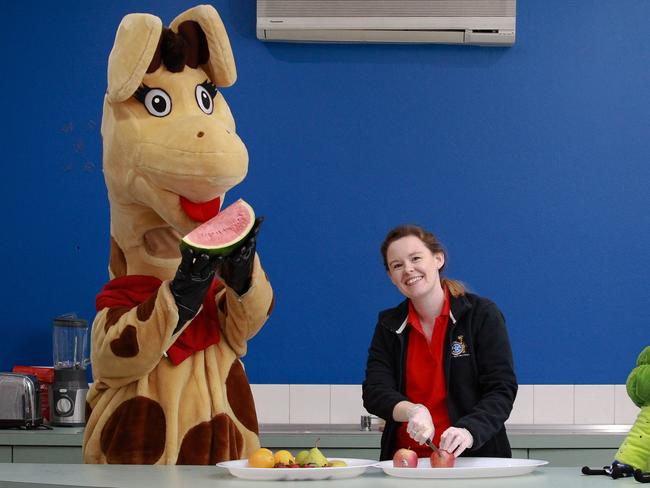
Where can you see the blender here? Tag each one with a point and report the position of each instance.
(70, 386)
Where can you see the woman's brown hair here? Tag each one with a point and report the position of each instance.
(456, 288)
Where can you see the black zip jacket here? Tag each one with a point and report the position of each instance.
(477, 360)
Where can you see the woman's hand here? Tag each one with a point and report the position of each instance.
(420, 426)
(455, 440)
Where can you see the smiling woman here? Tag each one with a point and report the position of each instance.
(439, 365)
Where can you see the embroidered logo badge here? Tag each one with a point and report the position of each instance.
(459, 348)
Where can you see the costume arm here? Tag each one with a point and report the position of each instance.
(127, 343)
(243, 316)
(496, 379)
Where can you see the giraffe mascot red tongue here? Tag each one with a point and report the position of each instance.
(169, 386)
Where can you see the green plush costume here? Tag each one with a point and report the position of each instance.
(633, 456)
(635, 450)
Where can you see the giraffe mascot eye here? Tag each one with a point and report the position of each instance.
(157, 102)
(204, 99)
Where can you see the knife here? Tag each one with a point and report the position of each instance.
(430, 443)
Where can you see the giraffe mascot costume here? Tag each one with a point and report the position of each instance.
(168, 384)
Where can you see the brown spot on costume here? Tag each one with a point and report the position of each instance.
(134, 433)
(241, 398)
(126, 345)
(146, 308)
(211, 442)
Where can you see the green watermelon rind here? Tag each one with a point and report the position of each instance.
(228, 247)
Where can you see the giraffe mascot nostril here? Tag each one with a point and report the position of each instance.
(633, 456)
(168, 384)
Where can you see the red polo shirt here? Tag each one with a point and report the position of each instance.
(425, 376)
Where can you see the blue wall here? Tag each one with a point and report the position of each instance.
(531, 163)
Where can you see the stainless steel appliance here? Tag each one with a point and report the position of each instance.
(20, 403)
(70, 387)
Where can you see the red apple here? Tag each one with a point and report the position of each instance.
(405, 458)
(442, 459)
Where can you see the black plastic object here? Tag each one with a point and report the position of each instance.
(616, 470)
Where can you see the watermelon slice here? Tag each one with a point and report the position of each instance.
(221, 234)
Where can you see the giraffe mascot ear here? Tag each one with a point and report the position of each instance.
(136, 44)
(202, 25)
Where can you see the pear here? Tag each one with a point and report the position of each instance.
(316, 458)
(301, 458)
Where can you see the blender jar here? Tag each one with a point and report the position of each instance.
(69, 342)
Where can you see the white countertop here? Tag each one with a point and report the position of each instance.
(113, 476)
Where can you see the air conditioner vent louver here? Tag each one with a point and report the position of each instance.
(386, 8)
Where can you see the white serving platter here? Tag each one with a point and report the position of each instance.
(465, 467)
(240, 469)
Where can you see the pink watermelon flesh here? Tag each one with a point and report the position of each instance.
(222, 233)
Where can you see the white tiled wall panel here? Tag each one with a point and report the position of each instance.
(346, 405)
(625, 411)
(594, 404)
(271, 403)
(309, 404)
(553, 404)
(522, 410)
(535, 404)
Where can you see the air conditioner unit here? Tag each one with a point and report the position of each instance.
(478, 22)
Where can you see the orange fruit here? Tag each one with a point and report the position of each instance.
(284, 457)
(261, 458)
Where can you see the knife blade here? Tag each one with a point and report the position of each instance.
(430, 443)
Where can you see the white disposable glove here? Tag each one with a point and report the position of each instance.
(455, 440)
(420, 426)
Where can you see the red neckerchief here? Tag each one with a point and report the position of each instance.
(131, 291)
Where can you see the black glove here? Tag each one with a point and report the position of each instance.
(193, 279)
(237, 267)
